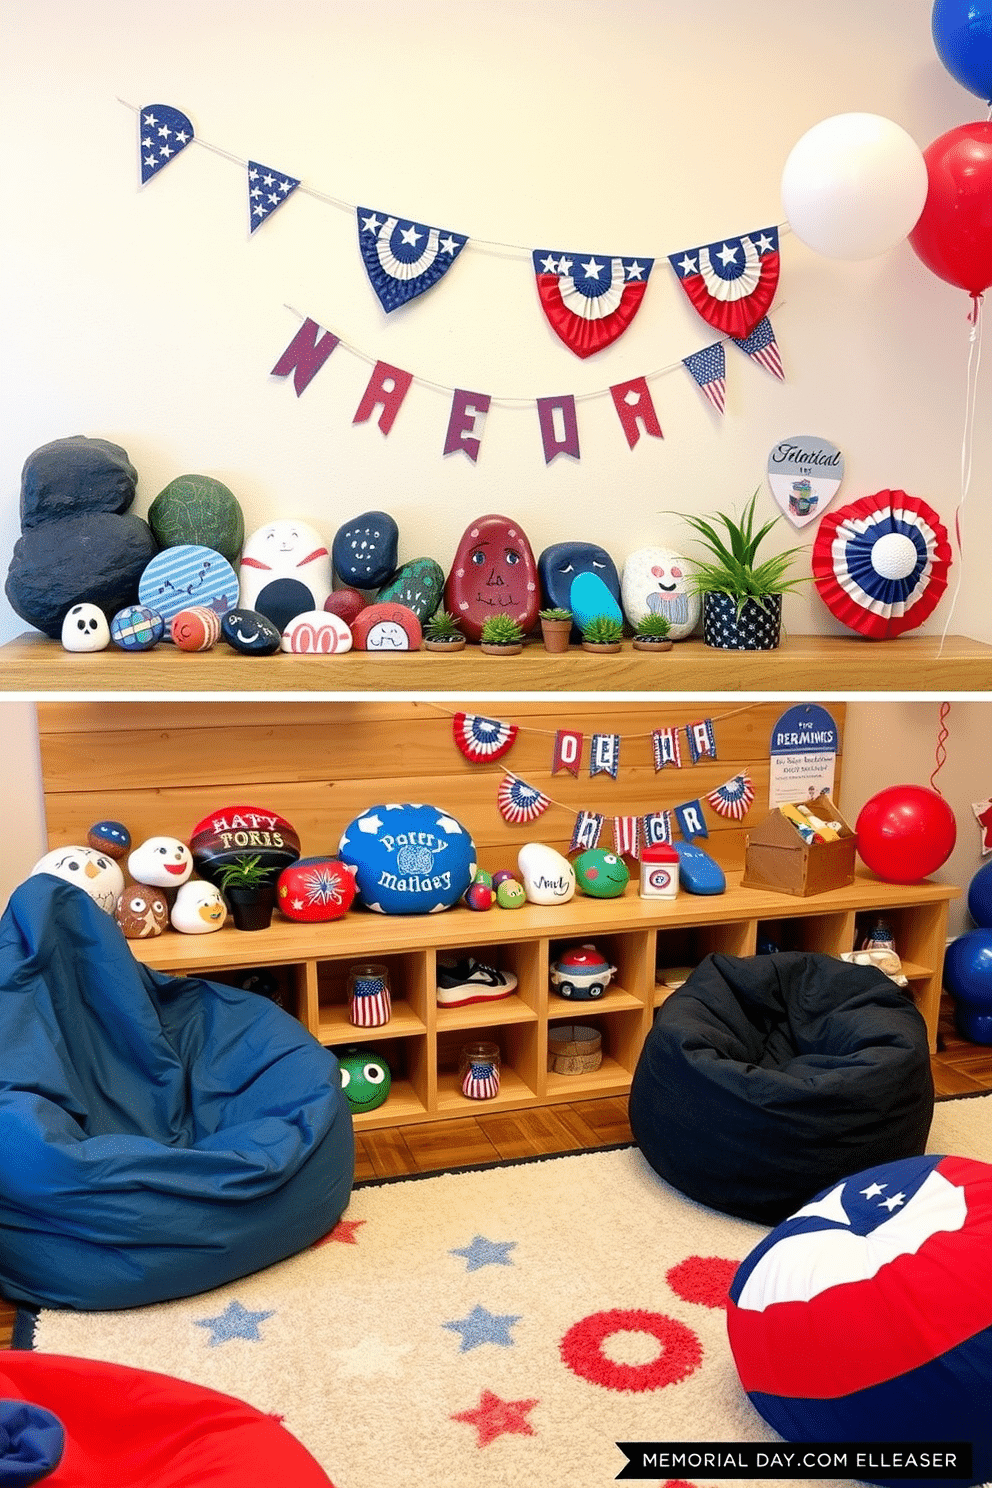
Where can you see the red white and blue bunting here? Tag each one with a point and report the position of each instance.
(480, 739)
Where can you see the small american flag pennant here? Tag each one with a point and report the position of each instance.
(762, 348)
(267, 190)
(627, 836)
(656, 827)
(588, 826)
(667, 748)
(709, 371)
(702, 741)
(604, 754)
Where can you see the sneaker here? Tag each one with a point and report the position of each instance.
(466, 980)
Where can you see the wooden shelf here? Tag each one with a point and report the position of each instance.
(35, 664)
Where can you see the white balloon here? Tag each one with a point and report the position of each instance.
(854, 186)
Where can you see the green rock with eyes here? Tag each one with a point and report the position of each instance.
(601, 874)
(365, 1077)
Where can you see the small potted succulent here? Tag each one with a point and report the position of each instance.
(556, 629)
(249, 886)
(651, 633)
(602, 633)
(501, 635)
(442, 632)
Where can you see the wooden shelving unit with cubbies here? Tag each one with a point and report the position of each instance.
(641, 937)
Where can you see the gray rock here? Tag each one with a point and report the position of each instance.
(97, 556)
(72, 476)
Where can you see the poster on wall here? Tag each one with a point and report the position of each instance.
(804, 475)
(804, 748)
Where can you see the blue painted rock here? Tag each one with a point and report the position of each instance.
(95, 873)
(200, 510)
(493, 573)
(71, 476)
(195, 629)
(199, 909)
(136, 628)
(365, 1077)
(548, 878)
(314, 890)
(141, 912)
(97, 556)
(590, 597)
(408, 859)
(85, 628)
(601, 874)
(285, 571)
(386, 627)
(233, 833)
(559, 564)
(656, 582)
(316, 632)
(109, 837)
(419, 585)
(250, 632)
(163, 861)
(179, 578)
(364, 550)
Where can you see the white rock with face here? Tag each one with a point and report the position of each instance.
(285, 550)
(548, 878)
(199, 909)
(85, 628)
(656, 581)
(163, 861)
(93, 872)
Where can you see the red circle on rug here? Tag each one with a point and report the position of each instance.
(582, 1350)
(702, 1279)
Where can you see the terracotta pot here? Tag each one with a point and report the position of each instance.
(513, 649)
(756, 628)
(455, 644)
(610, 646)
(252, 908)
(652, 643)
(556, 634)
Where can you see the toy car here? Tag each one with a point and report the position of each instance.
(581, 973)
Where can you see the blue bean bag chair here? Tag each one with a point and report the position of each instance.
(159, 1136)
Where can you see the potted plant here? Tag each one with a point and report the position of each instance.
(602, 633)
(249, 887)
(742, 599)
(556, 629)
(651, 633)
(501, 635)
(442, 632)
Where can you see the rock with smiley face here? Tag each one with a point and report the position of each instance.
(493, 573)
(250, 632)
(141, 912)
(94, 872)
(386, 627)
(657, 581)
(285, 571)
(187, 575)
(164, 862)
(200, 908)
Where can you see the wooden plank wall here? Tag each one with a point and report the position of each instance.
(160, 767)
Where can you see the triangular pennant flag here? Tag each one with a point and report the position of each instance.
(589, 301)
(762, 348)
(702, 740)
(520, 802)
(588, 825)
(709, 371)
(731, 283)
(163, 132)
(482, 739)
(404, 258)
(733, 798)
(604, 754)
(267, 190)
(656, 827)
(627, 836)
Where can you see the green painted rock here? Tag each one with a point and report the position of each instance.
(419, 585)
(199, 510)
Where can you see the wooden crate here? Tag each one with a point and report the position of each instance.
(776, 857)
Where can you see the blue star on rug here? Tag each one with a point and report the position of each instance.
(484, 1252)
(234, 1322)
(483, 1327)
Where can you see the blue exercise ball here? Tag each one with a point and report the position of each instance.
(980, 897)
(968, 978)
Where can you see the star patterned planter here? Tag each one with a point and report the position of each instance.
(756, 628)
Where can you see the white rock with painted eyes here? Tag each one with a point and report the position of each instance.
(658, 581)
(163, 861)
(93, 872)
(199, 908)
(85, 628)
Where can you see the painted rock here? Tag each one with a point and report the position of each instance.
(199, 908)
(315, 889)
(386, 627)
(97, 556)
(250, 632)
(201, 510)
(71, 476)
(364, 550)
(347, 603)
(548, 878)
(93, 872)
(85, 628)
(581, 973)
(589, 597)
(136, 628)
(195, 629)
(601, 874)
(479, 895)
(141, 912)
(419, 585)
(316, 631)
(365, 1077)
(178, 578)
(408, 859)
(285, 570)
(233, 833)
(559, 565)
(501, 875)
(493, 573)
(511, 894)
(656, 582)
(110, 837)
(163, 861)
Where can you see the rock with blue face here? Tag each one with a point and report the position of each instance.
(558, 566)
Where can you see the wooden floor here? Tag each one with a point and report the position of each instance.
(959, 1068)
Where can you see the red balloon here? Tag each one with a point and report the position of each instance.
(954, 234)
(905, 833)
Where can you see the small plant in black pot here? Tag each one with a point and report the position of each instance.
(249, 886)
(651, 633)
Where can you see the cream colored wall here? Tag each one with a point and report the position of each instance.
(20, 796)
(641, 126)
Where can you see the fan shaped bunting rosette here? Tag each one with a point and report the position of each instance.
(880, 564)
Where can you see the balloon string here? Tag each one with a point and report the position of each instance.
(967, 444)
(940, 754)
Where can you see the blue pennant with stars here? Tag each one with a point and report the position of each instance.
(267, 190)
(163, 132)
(404, 258)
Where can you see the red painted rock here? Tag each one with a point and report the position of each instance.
(316, 633)
(479, 896)
(347, 603)
(386, 627)
(315, 889)
(493, 573)
(195, 629)
(234, 833)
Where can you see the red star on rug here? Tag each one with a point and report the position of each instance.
(494, 1417)
(343, 1232)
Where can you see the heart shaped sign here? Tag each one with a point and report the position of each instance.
(804, 474)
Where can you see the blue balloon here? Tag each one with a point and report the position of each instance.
(980, 897)
(962, 34)
(968, 978)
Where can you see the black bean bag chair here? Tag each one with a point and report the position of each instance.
(767, 1078)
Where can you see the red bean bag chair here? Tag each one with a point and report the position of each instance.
(151, 1431)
